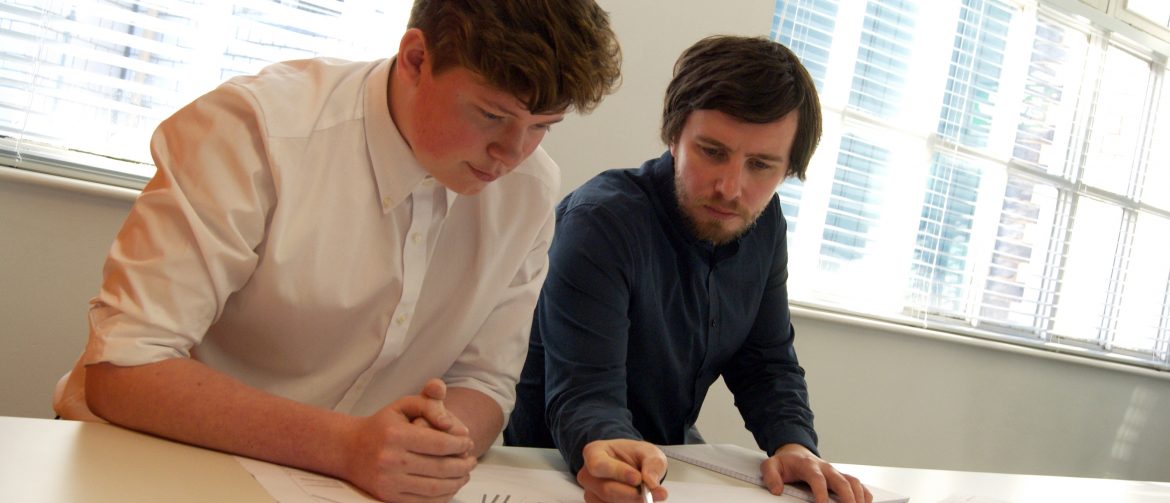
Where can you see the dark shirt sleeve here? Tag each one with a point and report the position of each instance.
(583, 322)
(764, 374)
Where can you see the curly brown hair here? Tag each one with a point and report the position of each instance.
(750, 78)
(551, 54)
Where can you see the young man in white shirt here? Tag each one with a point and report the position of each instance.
(330, 269)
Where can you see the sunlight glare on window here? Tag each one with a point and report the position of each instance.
(1156, 185)
(1157, 11)
(1089, 265)
(988, 167)
(97, 76)
(1147, 278)
(1115, 137)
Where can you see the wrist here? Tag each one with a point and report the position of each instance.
(343, 437)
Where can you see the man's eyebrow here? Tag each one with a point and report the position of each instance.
(767, 157)
(710, 141)
(758, 155)
(496, 106)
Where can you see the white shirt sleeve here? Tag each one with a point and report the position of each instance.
(189, 239)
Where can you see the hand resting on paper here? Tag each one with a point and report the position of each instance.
(794, 462)
(412, 450)
(615, 468)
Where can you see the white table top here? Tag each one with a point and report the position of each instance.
(43, 460)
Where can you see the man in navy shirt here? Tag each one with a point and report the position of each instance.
(665, 277)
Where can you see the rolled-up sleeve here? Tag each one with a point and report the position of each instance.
(189, 239)
(492, 361)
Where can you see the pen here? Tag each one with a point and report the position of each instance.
(646, 496)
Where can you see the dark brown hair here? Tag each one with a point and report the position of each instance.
(750, 78)
(551, 54)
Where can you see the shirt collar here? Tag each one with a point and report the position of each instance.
(396, 171)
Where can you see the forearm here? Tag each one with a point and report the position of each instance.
(184, 400)
(775, 408)
(480, 413)
(574, 427)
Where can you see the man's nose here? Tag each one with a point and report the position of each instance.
(508, 147)
(727, 181)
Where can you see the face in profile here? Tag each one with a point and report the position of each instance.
(726, 171)
(467, 133)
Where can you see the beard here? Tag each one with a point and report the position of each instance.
(712, 230)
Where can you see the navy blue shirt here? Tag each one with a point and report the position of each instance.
(637, 318)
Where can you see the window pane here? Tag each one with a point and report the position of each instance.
(1088, 269)
(863, 250)
(1051, 87)
(855, 204)
(1016, 292)
(883, 57)
(806, 27)
(790, 192)
(940, 276)
(1116, 131)
(99, 75)
(102, 66)
(972, 92)
(1156, 187)
(1157, 11)
(1143, 306)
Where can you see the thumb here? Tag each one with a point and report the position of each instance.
(434, 389)
(653, 471)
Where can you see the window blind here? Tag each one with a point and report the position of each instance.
(97, 76)
(993, 174)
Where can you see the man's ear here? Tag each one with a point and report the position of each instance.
(412, 54)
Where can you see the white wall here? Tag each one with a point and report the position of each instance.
(881, 395)
(895, 398)
(52, 245)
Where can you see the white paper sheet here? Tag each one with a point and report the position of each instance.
(693, 492)
(488, 484)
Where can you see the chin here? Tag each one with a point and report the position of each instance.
(467, 191)
(469, 188)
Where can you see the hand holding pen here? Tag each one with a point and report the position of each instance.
(622, 471)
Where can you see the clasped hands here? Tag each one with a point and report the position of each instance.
(613, 469)
(413, 450)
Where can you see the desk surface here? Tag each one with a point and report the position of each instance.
(51, 461)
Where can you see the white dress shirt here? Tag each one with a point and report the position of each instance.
(290, 240)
